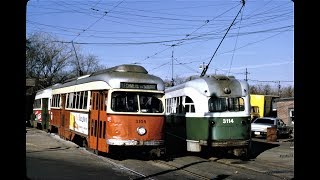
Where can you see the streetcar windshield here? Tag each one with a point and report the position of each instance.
(136, 102)
(225, 104)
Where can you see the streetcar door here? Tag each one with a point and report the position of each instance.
(61, 121)
(98, 121)
(45, 114)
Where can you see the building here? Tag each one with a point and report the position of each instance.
(262, 105)
(30, 94)
(285, 109)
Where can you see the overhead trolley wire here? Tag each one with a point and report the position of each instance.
(207, 66)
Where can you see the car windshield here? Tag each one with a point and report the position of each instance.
(264, 121)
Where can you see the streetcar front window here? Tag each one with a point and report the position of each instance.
(225, 104)
(124, 102)
(149, 103)
(128, 102)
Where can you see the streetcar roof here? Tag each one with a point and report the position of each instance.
(114, 75)
(43, 93)
(214, 85)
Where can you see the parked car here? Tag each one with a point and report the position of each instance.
(259, 127)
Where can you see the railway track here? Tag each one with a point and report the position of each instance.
(182, 169)
(191, 166)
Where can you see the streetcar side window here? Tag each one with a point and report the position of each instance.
(55, 102)
(85, 99)
(74, 100)
(70, 100)
(189, 105)
(37, 103)
(180, 106)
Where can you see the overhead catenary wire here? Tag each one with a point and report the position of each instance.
(124, 37)
(207, 66)
(180, 41)
(202, 38)
(105, 13)
(262, 20)
(235, 45)
(105, 37)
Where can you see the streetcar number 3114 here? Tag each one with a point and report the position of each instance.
(227, 120)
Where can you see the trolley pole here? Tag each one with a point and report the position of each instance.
(172, 81)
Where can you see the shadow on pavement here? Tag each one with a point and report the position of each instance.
(259, 147)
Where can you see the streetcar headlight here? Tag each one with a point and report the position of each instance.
(141, 131)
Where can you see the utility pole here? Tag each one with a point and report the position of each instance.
(246, 74)
(80, 73)
(279, 89)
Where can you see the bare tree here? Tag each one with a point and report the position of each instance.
(269, 90)
(86, 64)
(179, 80)
(287, 92)
(253, 90)
(50, 61)
(47, 59)
(263, 89)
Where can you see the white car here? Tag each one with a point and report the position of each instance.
(259, 127)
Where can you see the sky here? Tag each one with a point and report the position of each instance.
(174, 38)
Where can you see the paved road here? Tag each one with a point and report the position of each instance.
(276, 158)
(45, 159)
(48, 158)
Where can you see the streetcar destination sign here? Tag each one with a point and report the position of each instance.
(128, 85)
